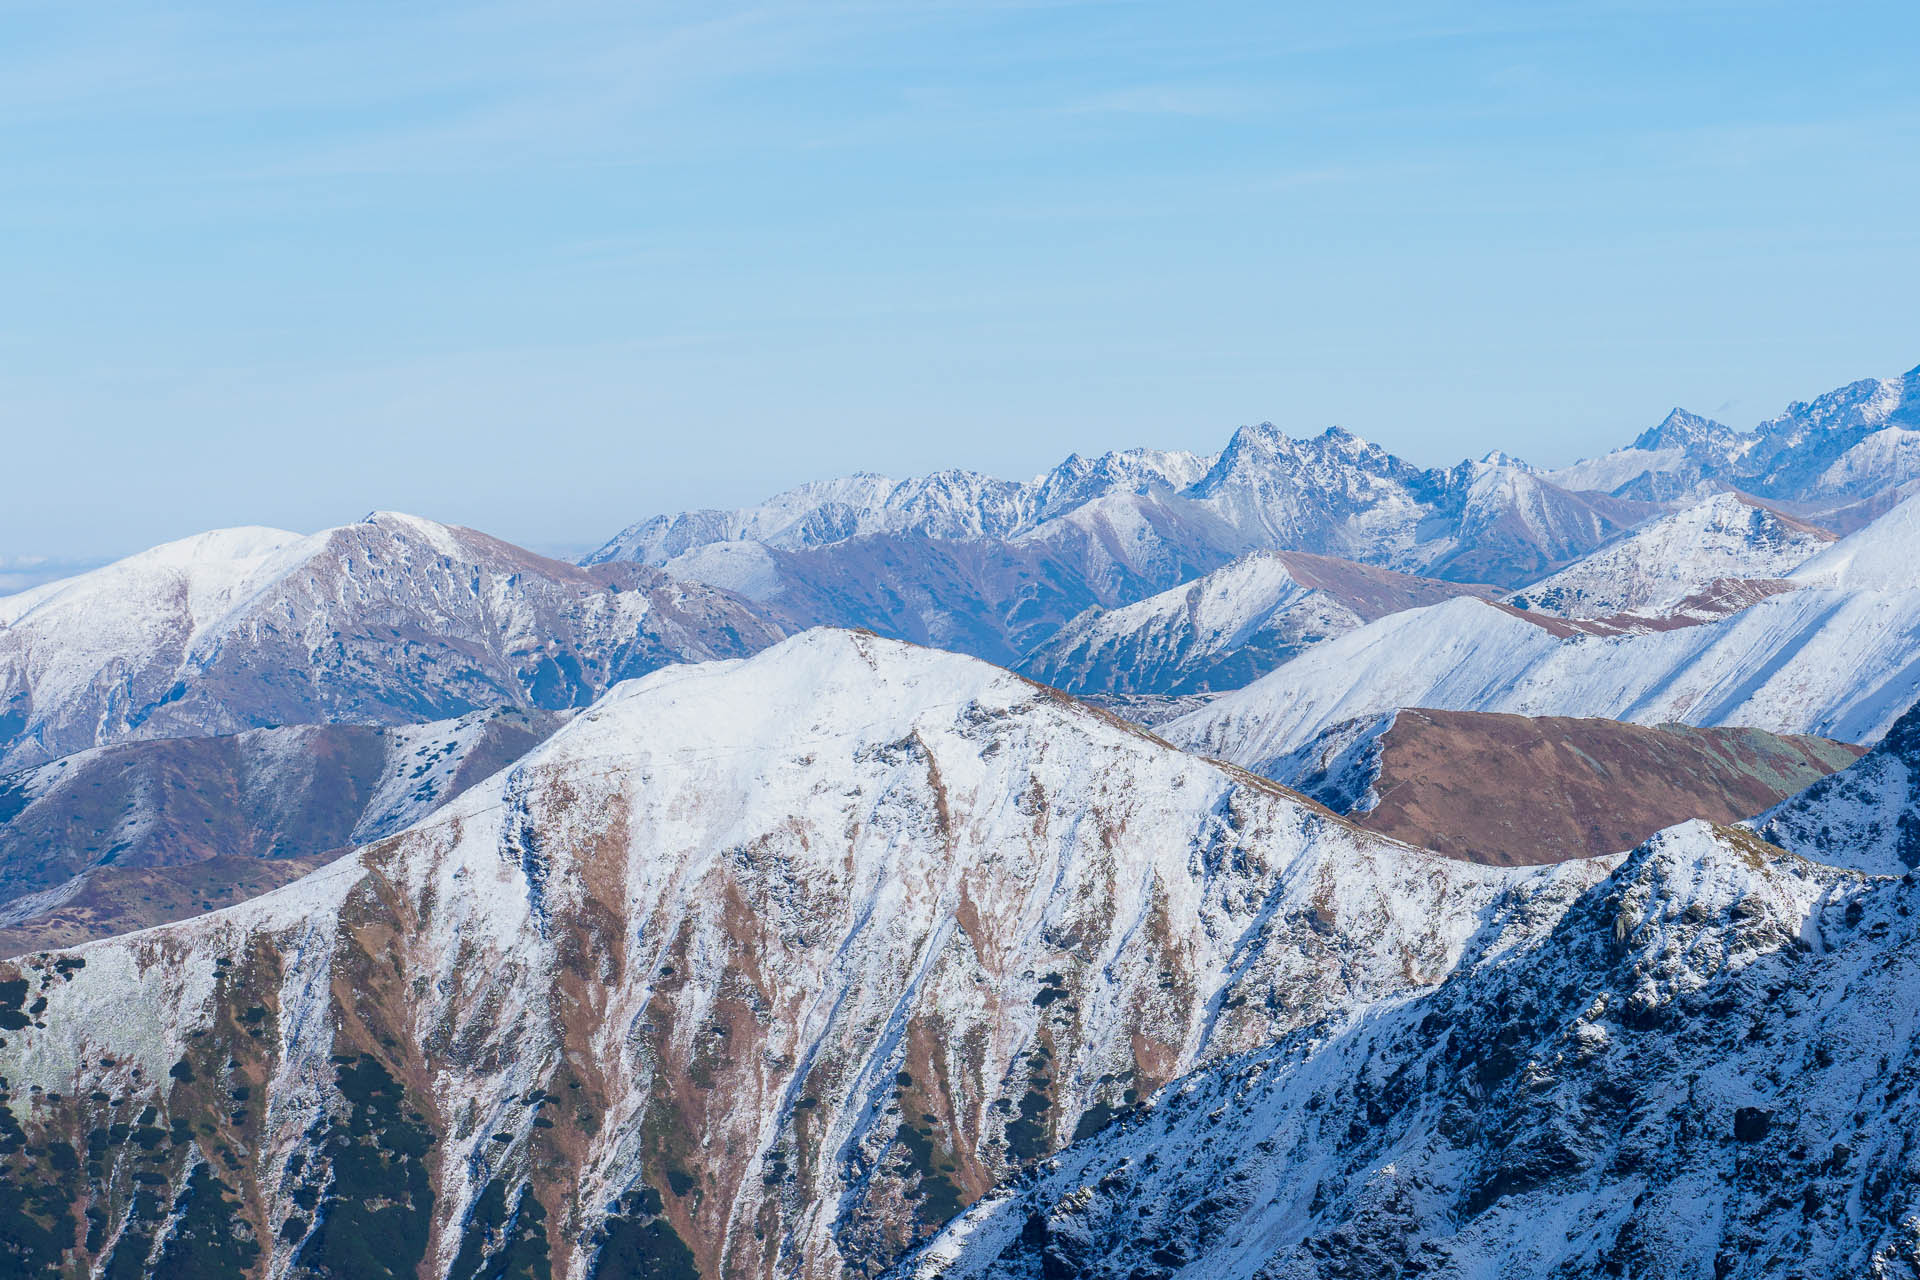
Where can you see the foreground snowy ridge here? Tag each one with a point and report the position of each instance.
(1696, 1067)
(880, 925)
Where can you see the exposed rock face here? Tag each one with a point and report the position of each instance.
(1700, 1066)
(122, 837)
(1515, 790)
(393, 620)
(1226, 628)
(753, 969)
(1664, 564)
(1866, 816)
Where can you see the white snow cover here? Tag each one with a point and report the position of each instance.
(1884, 556)
(1665, 561)
(1839, 664)
(1866, 816)
(1611, 470)
(891, 843)
(391, 619)
(1699, 1066)
(190, 584)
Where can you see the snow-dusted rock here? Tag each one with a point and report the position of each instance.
(755, 968)
(1662, 565)
(1867, 816)
(1698, 1066)
(392, 620)
(1226, 628)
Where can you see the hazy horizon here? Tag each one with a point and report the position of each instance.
(544, 270)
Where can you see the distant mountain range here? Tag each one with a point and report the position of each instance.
(999, 568)
(1515, 880)
(1831, 453)
(393, 620)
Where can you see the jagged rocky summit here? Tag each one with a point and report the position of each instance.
(1697, 1066)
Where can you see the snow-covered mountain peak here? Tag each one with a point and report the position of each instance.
(386, 620)
(1683, 430)
(1225, 628)
(208, 567)
(779, 962)
(1255, 452)
(1868, 403)
(1668, 562)
(823, 683)
(442, 537)
(1078, 479)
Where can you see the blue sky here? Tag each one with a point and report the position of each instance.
(547, 268)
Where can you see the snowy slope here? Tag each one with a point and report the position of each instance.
(391, 620)
(1225, 628)
(1839, 657)
(1698, 1067)
(1867, 816)
(1666, 562)
(754, 968)
(1837, 664)
(1885, 556)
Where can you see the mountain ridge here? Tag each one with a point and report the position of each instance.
(391, 620)
(881, 925)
